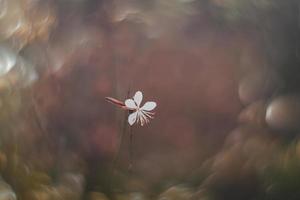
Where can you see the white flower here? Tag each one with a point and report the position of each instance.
(140, 114)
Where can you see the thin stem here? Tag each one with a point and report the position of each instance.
(37, 115)
(130, 149)
(124, 129)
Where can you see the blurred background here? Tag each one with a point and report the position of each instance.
(225, 75)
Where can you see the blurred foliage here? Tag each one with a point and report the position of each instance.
(281, 180)
(59, 140)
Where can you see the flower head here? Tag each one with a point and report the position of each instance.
(141, 114)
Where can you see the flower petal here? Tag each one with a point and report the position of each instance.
(132, 118)
(129, 103)
(148, 106)
(138, 97)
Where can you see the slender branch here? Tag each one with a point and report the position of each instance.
(124, 129)
(130, 149)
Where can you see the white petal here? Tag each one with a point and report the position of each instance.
(138, 97)
(129, 103)
(132, 118)
(148, 106)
